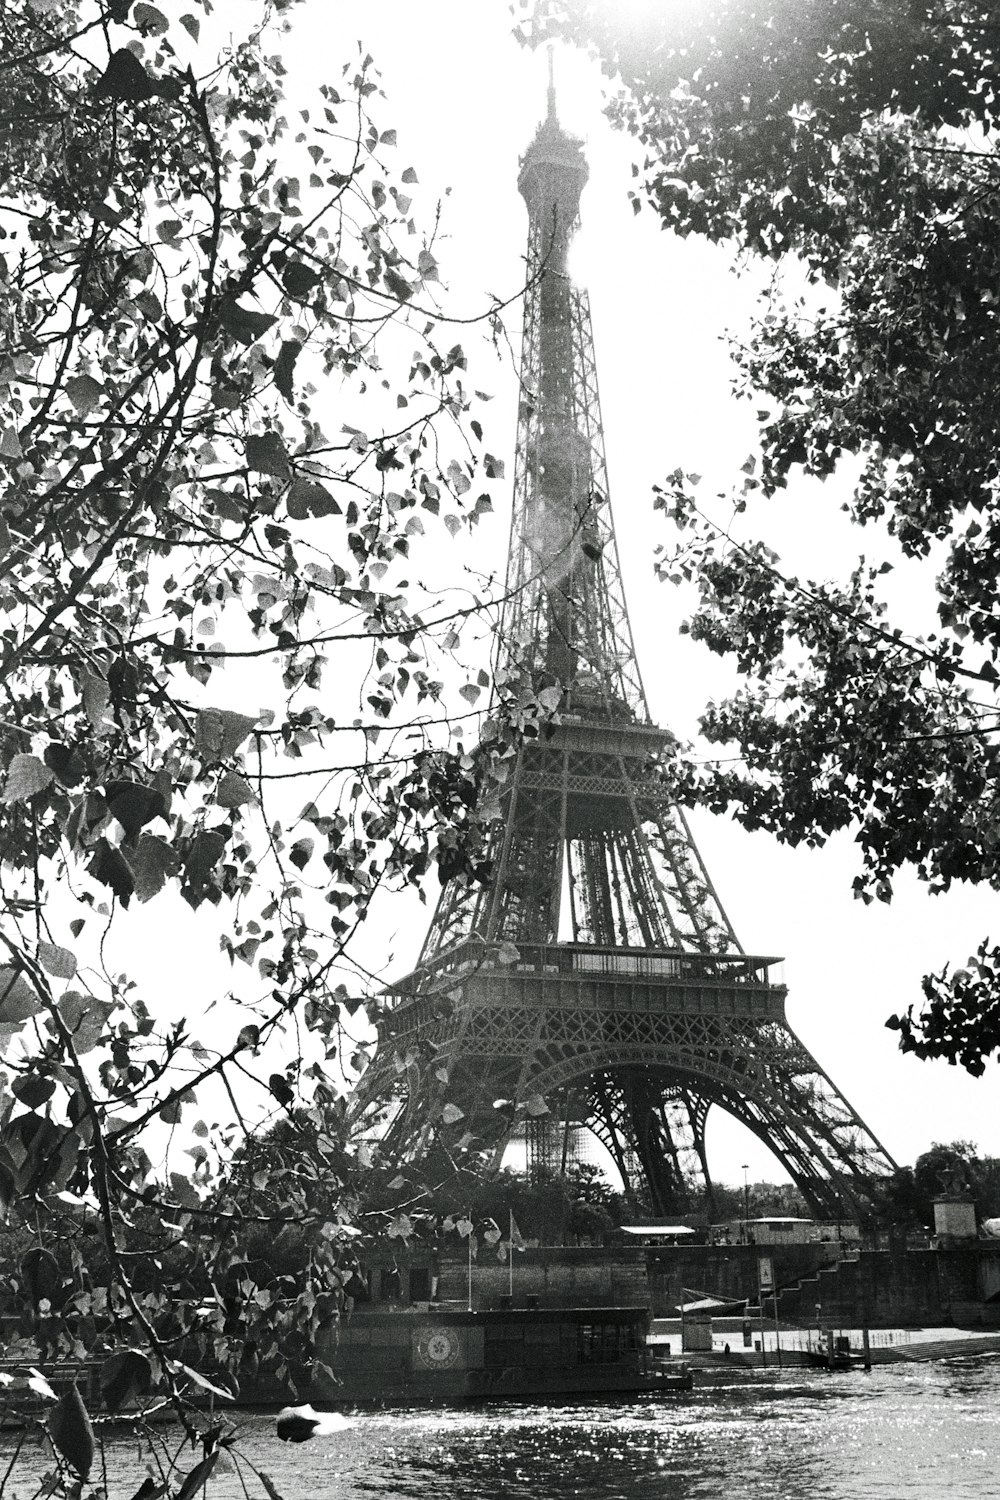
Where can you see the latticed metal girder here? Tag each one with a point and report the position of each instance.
(591, 799)
(668, 1033)
(652, 1012)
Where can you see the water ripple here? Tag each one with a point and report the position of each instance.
(909, 1432)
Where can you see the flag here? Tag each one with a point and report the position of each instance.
(516, 1240)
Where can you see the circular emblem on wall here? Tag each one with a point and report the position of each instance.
(438, 1348)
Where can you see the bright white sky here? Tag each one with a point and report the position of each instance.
(465, 101)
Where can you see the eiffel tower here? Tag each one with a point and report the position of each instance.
(596, 980)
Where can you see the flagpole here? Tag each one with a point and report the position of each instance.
(510, 1254)
(470, 1267)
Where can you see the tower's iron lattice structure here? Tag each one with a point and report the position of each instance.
(630, 1006)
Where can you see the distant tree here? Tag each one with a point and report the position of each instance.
(988, 1187)
(907, 1198)
(855, 140)
(902, 1202)
(597, 1209)
(588, 1184)
(946, 1167)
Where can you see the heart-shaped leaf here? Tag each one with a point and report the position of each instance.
(298, 279)
(18, 1001)
(309, 498)
(26, 777)
(59, 962)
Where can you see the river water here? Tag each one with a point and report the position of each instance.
(920, 1431)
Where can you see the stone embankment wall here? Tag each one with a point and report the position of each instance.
(559, 1276)
(957, 1284)
(591, 1276)
(951, 1285)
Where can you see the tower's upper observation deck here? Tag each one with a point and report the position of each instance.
(553, 175)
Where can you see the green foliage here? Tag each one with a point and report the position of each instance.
(957, 1167)
(203, 293)
(855, 142)
(961, 1019)
(902, 1203)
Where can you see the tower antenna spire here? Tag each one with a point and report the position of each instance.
(552, 83)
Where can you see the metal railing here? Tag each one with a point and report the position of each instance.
(473, 954)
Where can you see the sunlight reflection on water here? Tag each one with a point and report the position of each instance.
(920, 1431)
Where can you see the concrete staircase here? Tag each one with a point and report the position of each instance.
(797, 1300)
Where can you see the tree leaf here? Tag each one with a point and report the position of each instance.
(281, 1089)
(184, 1195)
(219, 733)
(149, 20)
(202, 861)
(134, 804)
(150, 1489)
(170, 1112)
(125, 79)
(307, 497)
(59, 962)
(85, 393)
(284, 367)
(299, 279)
(85, 1017)
(398, 287)
(96, 697)
(71, 1433)
(110, 867)
(18, 1001)
(40, 1386)
(8, 1192)
(197, 1478)
(200, 1380)
(26, 777)
(234, 791)
(33, 1090)
(125, 1376)
(244, 324)
(67, 763)
(301, 852)
(149, 305)
(269, 1486)
(266, 454)
(152, 864)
